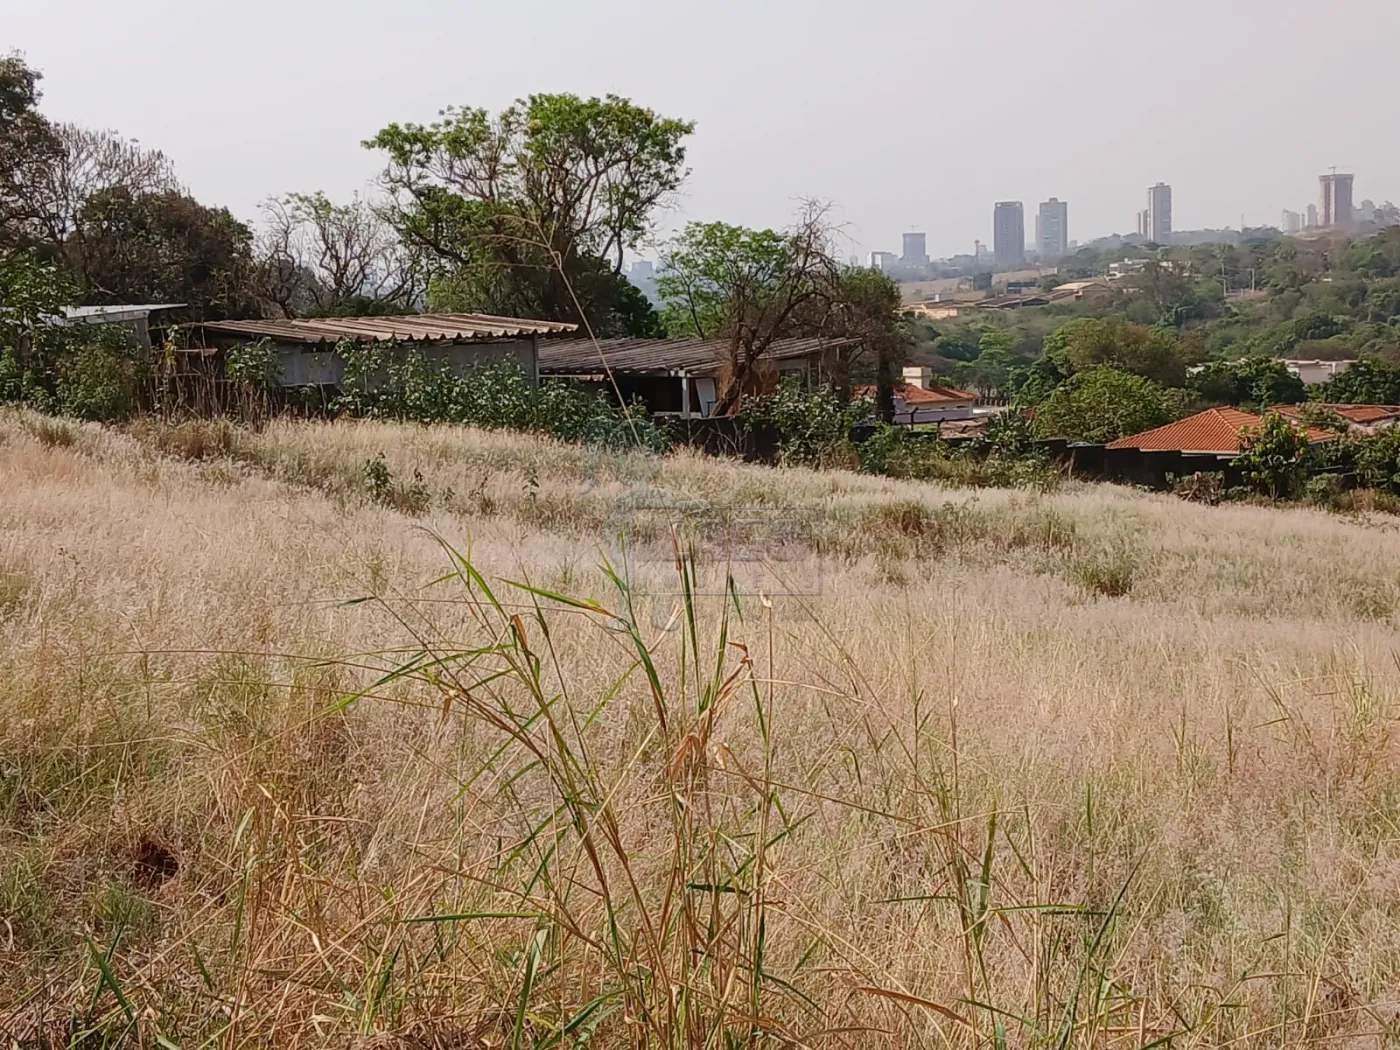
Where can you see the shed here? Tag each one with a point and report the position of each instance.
(136, 317)
(306, 346)
(679, 376)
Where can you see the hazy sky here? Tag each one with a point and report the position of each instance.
(904, 114)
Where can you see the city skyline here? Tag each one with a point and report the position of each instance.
(1159, 228)
(849, 140)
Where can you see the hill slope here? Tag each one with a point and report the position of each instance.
(1084, 767)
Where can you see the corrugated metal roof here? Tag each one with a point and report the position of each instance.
(661, 356)
(1214, 430)
(413, 328)
(115, 314)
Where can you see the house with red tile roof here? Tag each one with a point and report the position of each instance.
(1361, 417)
(919, 400)
(1216, 431)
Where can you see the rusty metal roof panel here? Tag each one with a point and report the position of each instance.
(660, 356)
(411, 328)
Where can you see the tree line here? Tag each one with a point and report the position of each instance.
(528, 212)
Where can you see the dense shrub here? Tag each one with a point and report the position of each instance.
(1254, 381)
(1005, 458)
(1367, 382)
(1104, 404)
(1272, 457)
(383, 381)
(814, 426)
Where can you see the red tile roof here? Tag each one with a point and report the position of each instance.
(1214, 430)
(914, 395)
(1360, 414)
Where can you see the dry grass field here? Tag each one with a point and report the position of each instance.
(293, 754)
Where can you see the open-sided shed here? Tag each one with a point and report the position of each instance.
(679, 376)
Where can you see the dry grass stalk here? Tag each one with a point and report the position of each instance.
(1092, 769)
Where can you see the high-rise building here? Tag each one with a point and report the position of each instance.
(1052, 229)
(1312, 216)
(883, 261)
(915, 250)
(1009, 234)
(1292, 221)
(1159, 214)
(1142, 227)
(1336, 207)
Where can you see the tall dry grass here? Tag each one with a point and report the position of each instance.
(291, 758)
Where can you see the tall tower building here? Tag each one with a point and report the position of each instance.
(1159, 214)
(1336, 207)
(1292, 221)
(915, 250)
(1052, 229)
(1312, 216)
(1009, 234)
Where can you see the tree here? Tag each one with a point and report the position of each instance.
(865, 306)
(89, 371)
(1104, 404)
(749, 288)
(1254, 381)
(91, 163)
(322, 258)
(1166, 289)
(28, 146)
(526, 212)
(1367, 382)
(990, 371)
(1088, 342)
(164, 247)
(1272, 455)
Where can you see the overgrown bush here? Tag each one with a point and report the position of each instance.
(384, 381)
(1005, 458)
(814, 426)
(1272, 457)
(1104, 404)
(89, 371)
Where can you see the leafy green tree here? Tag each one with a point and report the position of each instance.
(164, 248)
(1104, 404)
(1168, 291)
(1317, 326)
(33, 292)
(1383, 301)
(1272, 457)
(956, 348)
(532, 211)
(1376, 459)
(29, 146)
(1253, 381)
(814, 426)
(1375, 257)
(751, 288)
(1035, 382)
(1089, 342)
(89, 371)
(1369, 381)
(865, 305)
(990, 372)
